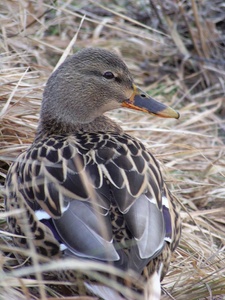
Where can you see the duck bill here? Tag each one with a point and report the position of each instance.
(141, 101)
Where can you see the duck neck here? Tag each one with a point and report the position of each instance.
(54, 127)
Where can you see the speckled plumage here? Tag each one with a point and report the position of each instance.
(86, 186)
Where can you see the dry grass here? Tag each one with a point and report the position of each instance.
(181, 61)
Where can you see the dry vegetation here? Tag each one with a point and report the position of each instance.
(176, 52)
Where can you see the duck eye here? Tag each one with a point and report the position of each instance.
(108, 75)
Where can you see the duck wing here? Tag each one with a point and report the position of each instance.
(77, 185)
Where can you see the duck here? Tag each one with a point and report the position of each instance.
(87, 189)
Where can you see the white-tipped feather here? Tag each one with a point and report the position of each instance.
(63, 247)
(153, 286)
(165, 201)
(41, 215)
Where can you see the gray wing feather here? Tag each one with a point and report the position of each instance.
(142, 218)
(86, 232)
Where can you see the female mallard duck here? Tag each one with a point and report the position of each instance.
(88, 189)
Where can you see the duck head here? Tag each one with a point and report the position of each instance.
(90, 83)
